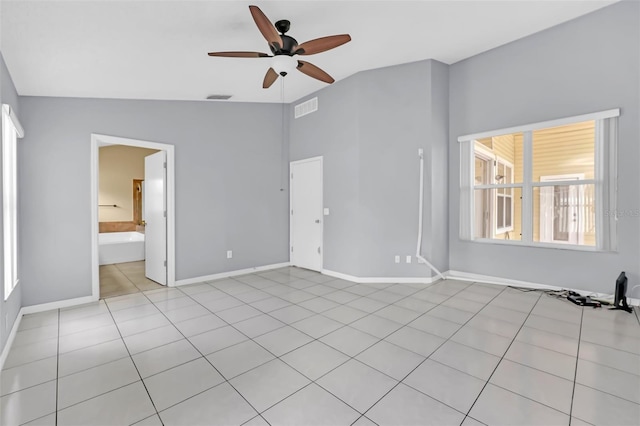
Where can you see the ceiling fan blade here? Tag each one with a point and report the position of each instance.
(315, 72)
(322, 44)
(239, 54)
(266, 27)
(269, 78)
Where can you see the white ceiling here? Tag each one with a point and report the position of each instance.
(158, 49)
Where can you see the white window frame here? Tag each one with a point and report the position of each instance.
(485, 154)
(502, 230)
(11, 131)
(604, 181)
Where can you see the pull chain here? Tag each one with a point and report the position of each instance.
(282, 170)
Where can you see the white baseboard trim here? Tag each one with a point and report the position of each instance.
(376, 280)
(228, 274)
(12, 336)
(466, 276)
(57, 305)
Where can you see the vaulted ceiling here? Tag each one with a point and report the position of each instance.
(158, 49)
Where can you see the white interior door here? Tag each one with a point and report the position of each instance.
(306, 213)
(155, 240)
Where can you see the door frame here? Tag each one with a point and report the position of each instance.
(291, 164)
(98, 140)
(544, 207)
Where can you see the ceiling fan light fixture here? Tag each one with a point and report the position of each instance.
(283, 64)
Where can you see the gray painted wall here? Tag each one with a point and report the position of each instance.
(586, 65)
(228, 179)
(368, 128)
(332, 132)
(8, 309)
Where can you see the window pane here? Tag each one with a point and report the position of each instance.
(505, 147)
(564, 214)
(482, 170)
(564, 152)
(497, 216)
(482, 213)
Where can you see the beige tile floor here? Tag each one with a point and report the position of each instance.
(293, 347)
(124, 278)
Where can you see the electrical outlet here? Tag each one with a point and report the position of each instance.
(409, 259)
(229, 254)
(397, 259)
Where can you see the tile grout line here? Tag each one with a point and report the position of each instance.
(135, 366)
(344, 325)
(575, 371)
(296, 304)
(423, 361)
(316, 313)
(502, 358)
(314, 339)
(209, 362)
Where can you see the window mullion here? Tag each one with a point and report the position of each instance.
(527, 189)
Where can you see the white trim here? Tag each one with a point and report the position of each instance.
(228, 274)
(14, 118)
(98, 140)
(534, 184)
(376, 280)
(467, 194)
(537, 244)
(57, 305)
(291, 163)
(506, 164)
(543, 124)
(12, 336)
(467, 276)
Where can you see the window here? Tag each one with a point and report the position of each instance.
(11, 131)
(545, 184)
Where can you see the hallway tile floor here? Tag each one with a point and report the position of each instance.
(124, 278)
(293, 347)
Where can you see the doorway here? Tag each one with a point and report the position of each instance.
(306, 214)
(163, 244)
(560, 210)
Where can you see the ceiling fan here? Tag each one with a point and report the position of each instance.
(285, 47)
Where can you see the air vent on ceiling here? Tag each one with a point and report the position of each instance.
(306, 107)
(218, 97)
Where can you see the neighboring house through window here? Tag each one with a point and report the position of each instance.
(544, 184)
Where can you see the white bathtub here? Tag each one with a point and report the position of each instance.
(120, 247)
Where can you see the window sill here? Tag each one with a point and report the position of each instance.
(572, 247)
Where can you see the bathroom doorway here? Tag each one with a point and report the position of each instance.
(121, 230)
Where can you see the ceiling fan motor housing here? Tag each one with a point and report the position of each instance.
(289, 45)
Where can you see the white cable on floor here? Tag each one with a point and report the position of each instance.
(420, 206)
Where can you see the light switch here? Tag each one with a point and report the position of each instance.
(409, 259)
(326, 211)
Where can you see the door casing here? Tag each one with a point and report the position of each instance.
(98, 140)
(320, 213)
